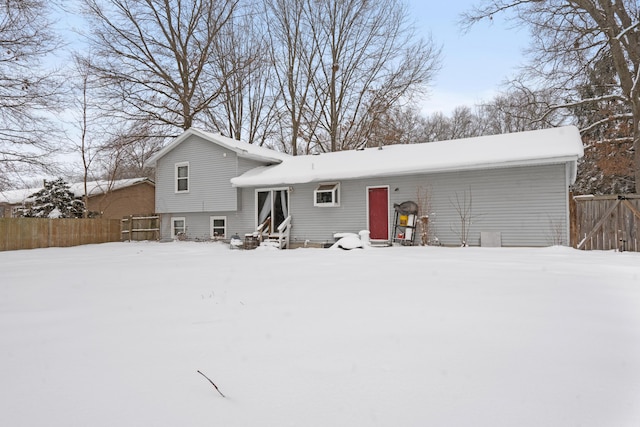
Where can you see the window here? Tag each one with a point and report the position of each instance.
(182, 177)
(178, 228)
(327, 195)
(218, 227)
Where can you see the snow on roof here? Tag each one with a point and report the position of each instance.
(243, 149)
(15, 197)
(546, 146)
(94, 188)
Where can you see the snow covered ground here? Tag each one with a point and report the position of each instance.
(113, 334)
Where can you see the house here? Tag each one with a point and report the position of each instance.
(11, 201)
(510, 189)
(107, 199)
(118, 198)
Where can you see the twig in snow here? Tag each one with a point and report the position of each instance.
(212, 383)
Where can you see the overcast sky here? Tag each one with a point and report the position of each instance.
(474, 63)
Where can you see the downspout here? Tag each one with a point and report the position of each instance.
(571, 170)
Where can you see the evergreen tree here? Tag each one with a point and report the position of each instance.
(55, 200)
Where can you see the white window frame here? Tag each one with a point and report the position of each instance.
(174, 235)
(187, 178)
(332, 188)
(212, 219)
(272, 190)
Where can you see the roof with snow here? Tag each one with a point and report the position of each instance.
(243, 149)
(94, 188)
(548, 146)
(14, 197)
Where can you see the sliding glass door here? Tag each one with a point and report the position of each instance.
(272, 204)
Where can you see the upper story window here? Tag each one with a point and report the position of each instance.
(182, 177)
(327, 195)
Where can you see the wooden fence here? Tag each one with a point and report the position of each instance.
(31, 233)
(143, 227)
(606, 222)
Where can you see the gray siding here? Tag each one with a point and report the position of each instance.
(528, 205)
(240, 221)
(198, 224)
(210, 169)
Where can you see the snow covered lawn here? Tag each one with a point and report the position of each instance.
(113, 334)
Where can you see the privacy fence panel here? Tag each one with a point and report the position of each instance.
(141, 227)
(607, 222)
(31, 233)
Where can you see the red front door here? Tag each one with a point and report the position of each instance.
(379, 213)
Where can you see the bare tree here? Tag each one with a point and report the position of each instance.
(436, 127)
(85, 146)
(397, 125)
(569, 38)
(463, 205)
(519, 109)
(464, 122)
(341, 66)
(291, 49)
(28, 91)
(109, 149)
(423, 200)
(247, 104)
(516, 110)
(368, 60)
(124, 153)
(156, 56)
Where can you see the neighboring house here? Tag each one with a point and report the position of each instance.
(107, 199)
(119, 198)
(513, 188)
(11, 201)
